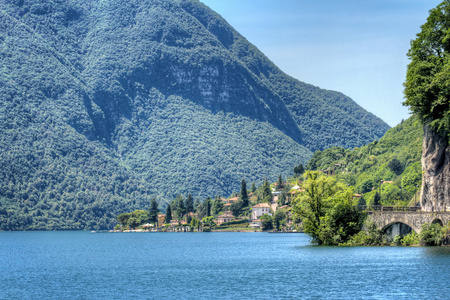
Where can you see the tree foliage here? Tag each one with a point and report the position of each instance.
(326, 210)
(395, 158)
(266, 222)
(427, 89)
(243, 195)
(168, 217)
(153, 211)
(396, 166)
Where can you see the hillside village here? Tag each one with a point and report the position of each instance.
(265, 208)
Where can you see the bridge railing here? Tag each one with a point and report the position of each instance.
(387, 208)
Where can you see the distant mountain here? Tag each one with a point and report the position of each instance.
(106, 104)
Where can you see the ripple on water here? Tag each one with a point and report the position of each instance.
(82, 265)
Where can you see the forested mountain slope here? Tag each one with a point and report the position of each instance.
(394, 160)
(106, 104)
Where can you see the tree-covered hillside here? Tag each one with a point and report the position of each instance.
(106, 104)
(390, 166)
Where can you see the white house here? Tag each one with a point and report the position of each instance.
(260, 209)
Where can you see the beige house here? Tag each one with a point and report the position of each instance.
(161, 220)
(226, 217)
(260, 209)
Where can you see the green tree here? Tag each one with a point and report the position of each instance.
(280, 183)
(377, 199)
(181, 209)
(168, 215)
(431, 234)
(396, 166)
(361, 201)
(253, 188)
(195, 223)
(340, 223)
(236, 208)
(208, 221)
(266, 222)
(427, 90)
(153, 211)
(196, 204)
(201, 210)
(299, 170)
(123, 218)
(189, 204)
(366, 186)
(208, 206)
(267, 192)
(311, 206)
(282, 199)
(278, 217)
(217, 206)
(243, 194)
(133, 222)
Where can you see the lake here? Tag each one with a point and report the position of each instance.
(84, 265)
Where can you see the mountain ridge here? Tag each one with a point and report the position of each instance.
(142, 99)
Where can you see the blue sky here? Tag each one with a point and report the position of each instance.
(357, 47)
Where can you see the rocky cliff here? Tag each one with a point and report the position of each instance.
(435, 193)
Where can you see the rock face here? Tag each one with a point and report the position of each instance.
(435, 193)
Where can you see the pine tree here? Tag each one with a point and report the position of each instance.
(217, 206)
(196, 204)
(243, 194)
(153, 211)
(280, 183)
(253, 188)
(377, 199)
(208, 206)
(168, 215)
(236, 208)
(189, 204)
(267, 192)
(181, 209)
(282, 199)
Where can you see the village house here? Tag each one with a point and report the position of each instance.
(176, 222)
(257, 223)
(161, 220)
(226, 217)
(230, 201)
(259, 210)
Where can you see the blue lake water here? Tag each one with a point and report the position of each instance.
(84, 265)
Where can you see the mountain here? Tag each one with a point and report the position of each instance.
(394, 159)
(107, 104)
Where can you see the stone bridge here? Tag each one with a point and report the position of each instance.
(414, 219)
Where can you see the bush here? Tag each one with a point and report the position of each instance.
(431, 235)
(410, 239)
(397, 240)
(236, 222)
(370, 236)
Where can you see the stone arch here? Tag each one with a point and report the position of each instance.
(438, 221)
(398, 227)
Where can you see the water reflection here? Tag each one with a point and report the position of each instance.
(441, 252)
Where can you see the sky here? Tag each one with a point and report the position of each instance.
(357, 47)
